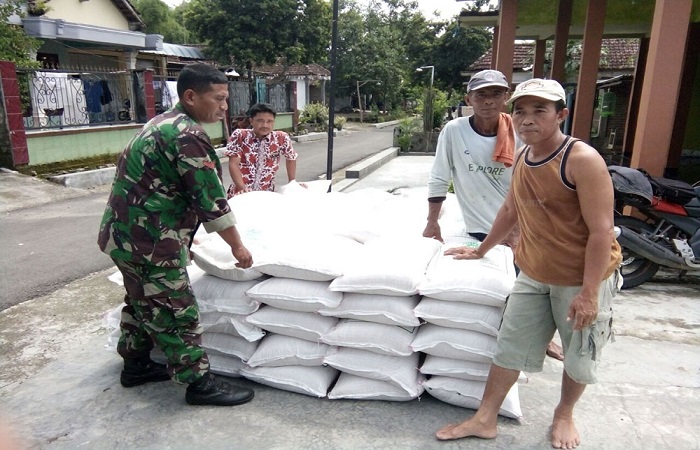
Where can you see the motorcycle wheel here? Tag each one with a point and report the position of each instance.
(635, 269)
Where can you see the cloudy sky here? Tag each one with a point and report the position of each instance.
(447, 8)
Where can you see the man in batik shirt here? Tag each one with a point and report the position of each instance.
(254, 154)
(168, 180)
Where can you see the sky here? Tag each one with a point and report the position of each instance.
(447, 8)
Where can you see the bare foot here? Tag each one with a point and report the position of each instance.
(469, 428)
(555, 351)
(564, 433)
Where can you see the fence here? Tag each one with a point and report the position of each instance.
(57, 99)
(54, 99)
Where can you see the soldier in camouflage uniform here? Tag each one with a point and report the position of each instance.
(168, 180)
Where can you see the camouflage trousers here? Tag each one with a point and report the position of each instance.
(161, 309)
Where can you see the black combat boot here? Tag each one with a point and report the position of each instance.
(212, 390)
(142, 370)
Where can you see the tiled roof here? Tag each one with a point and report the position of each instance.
(616, 54)
(280, 69)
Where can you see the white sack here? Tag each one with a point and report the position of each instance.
(466, 316)
(278, 350)
(454, 343)
(360, 388)
(313, 381)
(386, 309)
(295, 295)
(389, 266)
(302, 325)
(308, 255)
(379, 338)
(229, 366)
(225, 344)
(468, 394)
(402, 371)
(316, 187)
(486, 281)
(455, 368)
(213, 255)
(232, 324)
(217, 294)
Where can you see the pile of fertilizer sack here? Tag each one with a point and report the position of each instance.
(346, 299)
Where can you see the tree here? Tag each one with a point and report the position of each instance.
(455, 50)
(380, 42)
(160, 19)
(15, 46)
(250, 32)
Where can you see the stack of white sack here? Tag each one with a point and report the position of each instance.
(291, 356)
(374, 345)
(463, 303)
(294, 250)
(227, 337)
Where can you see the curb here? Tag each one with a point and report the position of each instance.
(317, 136)
(346, 177)
(85, 179)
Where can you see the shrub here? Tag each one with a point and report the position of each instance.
(407, 127)
(314, 113)
(339, 122)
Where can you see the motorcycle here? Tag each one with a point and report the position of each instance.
(668, 232)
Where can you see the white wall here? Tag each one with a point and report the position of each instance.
(302, 94)
(99, 13)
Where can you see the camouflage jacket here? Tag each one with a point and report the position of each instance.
(167, 180)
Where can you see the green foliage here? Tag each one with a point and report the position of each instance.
(440, 104)
(407, 127)
(339, 122)
(469, 43)
(160, 19)
(316, 114)
(15, 46)
(250, 32)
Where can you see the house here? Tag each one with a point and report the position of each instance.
(664, 103)
(309, 79)
(92, 94)
(614, 87)
(618, 57)
(105, 34)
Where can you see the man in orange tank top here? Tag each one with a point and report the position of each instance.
(562, 198)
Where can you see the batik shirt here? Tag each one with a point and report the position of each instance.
(260, 158)
(167, 180)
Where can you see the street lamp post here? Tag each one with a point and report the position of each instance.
(428, 110)
(359, 100)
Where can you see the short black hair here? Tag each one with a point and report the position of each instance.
(559, 105)
(199, 78)
(261, 108)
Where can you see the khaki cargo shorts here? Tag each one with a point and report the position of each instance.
(533, 313)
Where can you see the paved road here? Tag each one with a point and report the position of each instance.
(47, 246)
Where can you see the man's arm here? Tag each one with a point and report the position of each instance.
(587, 170)
(503, 226)
(234, 169)
(432, 228)
(438, 183)
(233, 239)
(291, 169)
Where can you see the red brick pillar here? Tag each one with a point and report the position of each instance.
(13, 110)
(150, 94)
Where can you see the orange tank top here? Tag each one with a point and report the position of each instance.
(553, 234)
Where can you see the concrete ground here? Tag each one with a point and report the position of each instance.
(59, 386)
